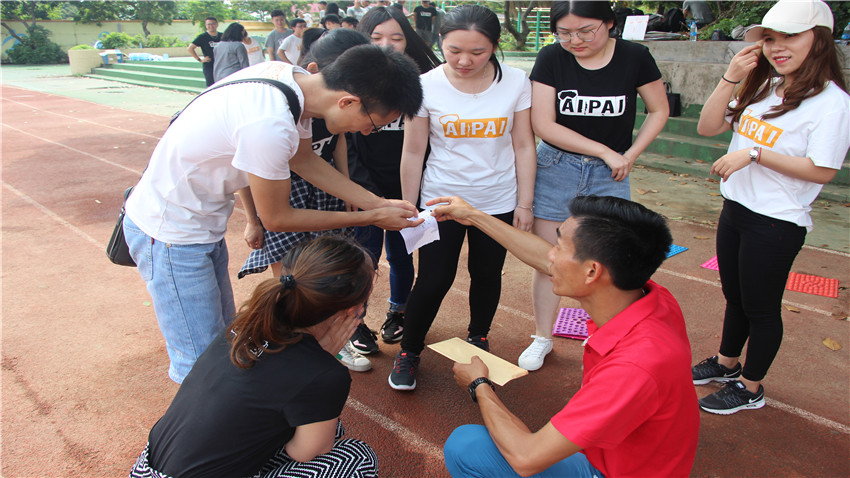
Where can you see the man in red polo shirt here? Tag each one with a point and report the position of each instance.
(635, 414)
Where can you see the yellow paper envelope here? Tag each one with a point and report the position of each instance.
(501, 371)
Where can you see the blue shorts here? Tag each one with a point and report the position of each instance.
(562, 176)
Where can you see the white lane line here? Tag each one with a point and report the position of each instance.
(717, 284)
(55, 216)
(102, 125)
(111, 163)
(839, 427)
(407, 435)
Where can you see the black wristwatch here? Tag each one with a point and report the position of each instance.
(475, 383)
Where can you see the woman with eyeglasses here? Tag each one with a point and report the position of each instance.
(476, 115)
(584, 95)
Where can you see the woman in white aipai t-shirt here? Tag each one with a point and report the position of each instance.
(476, 115)
(790, 118)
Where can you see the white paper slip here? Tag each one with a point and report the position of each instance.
(425, 233)
(501, 371)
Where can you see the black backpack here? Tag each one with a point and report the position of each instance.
(674, 20)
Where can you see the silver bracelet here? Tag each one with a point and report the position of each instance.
(530, 208)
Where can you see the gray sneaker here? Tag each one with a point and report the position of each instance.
(709, 370)
(731, 398)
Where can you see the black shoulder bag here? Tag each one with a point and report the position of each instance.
(117, 250)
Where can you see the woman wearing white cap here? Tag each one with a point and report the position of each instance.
(790, 114)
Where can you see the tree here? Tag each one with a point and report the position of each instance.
(197, 11)
(27, 13)
(518, 12)
(156, 12)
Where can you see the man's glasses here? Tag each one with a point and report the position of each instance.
(583, 35)
(375, 128)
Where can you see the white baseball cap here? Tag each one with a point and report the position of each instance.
(792, 16)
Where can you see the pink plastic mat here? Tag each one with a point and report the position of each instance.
(710, 264)
(571, 323)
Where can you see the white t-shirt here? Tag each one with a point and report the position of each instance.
(819, 129)
(472, 152)
(187, 192)
(291, 47)
(255, 52)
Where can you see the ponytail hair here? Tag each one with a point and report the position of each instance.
(320, 278)
(479, 19)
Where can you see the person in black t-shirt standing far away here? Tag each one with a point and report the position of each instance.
(206, 41)
(266, 396)
(424, 16)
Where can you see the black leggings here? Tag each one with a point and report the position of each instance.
(754, 255)
(438, 264)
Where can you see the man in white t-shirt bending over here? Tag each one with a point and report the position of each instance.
(244, 135)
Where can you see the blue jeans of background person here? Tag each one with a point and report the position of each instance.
(470, 452)
(374, 238)
(562, 176)
(191, 293)
(754, 255)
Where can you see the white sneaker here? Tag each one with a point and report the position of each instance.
(532, 358)
(349, 357)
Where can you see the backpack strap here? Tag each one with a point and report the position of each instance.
(291, 96)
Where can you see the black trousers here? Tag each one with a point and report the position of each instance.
(208, 72)
(754, 255)
(438, 264)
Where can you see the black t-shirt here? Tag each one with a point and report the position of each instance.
(226, 421)
(207, 42)
(424, 16)
(374, 159)
(598, 104)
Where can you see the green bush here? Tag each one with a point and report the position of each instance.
(114, 40)
(82, 47)
(158, 41)
(37, 48)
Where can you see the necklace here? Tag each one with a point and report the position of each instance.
(481, 81)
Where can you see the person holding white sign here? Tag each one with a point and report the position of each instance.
(476, 115)
(584, 100)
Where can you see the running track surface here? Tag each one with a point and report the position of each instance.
(84, 364)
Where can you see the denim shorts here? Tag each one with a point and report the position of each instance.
(562, 176)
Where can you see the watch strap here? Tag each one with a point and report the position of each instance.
(474, 385)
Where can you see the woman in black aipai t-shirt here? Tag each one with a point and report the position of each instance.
(584, 95)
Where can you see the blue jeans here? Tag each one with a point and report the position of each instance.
(373, 238)
(470, 452)
(562, 176)
(191, 293)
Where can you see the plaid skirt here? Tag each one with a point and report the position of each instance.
(303, 195)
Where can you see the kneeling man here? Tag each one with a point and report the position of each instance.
(636, 413)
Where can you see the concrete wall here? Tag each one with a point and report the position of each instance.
(68, 33)
(694, 68)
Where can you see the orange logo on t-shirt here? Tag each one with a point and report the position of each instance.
(454, 127)
(757, 130)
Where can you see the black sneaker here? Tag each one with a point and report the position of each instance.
(479, 341)
(403, 376)
(364, 340)
(710, 371)
(731, 398)
(393, 328)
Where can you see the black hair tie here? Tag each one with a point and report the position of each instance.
(288, 281)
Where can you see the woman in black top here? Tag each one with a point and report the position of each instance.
(265, 398)
(373, 162)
